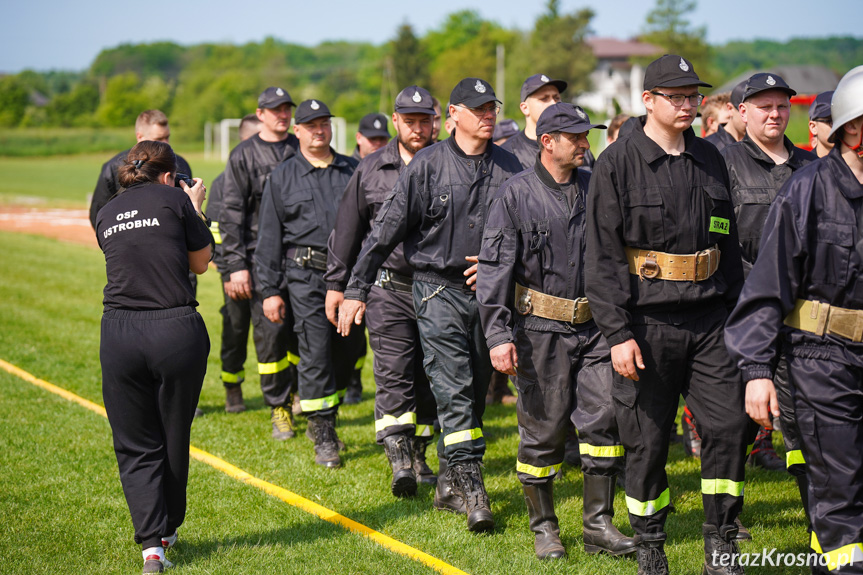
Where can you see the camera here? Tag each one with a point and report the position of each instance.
(180, 177)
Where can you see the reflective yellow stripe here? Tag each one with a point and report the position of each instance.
(342, 393)
(645, 508)
(749, 449)
(601, 450)
(537, 471)
(721, 486)
(460, 436)
(424, 431)
(387, 420)
(845, 555)
(238, 377)
(293, 359)
(214, 229)
(319, 404)
(360, 363)
(274, 367)
(794, 457)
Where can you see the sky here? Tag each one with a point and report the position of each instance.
(62, 35)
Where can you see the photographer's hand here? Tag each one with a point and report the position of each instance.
(197, 193)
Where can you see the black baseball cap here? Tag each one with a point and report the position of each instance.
(737, 94)
(506, 128)
(309, 110)
(536, 82)
(472, 92)
(374, 126)
(764, 81)
(820, 108)
(414, 100)
(274, 97)
(671, 71)
(564, 117)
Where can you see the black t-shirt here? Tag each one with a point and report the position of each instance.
(146, 233)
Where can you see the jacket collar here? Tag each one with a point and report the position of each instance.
(848, 184)
(754, 150)
(390, 155)
(651, 151)
(486, 155)
(339, 161)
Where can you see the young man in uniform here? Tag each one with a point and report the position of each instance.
(530, 287)
(438, 210)
(298, 212)
(662, 270)
(249, 165)
(715, 112)
(804, 299)
(372, 135)
(405, 410)
(820, 124)
(734, 129)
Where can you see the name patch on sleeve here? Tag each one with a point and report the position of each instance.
(719, 225)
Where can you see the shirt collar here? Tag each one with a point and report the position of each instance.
(754, 150)
(651, 151)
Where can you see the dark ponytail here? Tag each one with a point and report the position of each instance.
(146, 162)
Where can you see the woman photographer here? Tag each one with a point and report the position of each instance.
(154, 344)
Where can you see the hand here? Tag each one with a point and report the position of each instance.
(625, 357)
(274, 308)
(242, 281)
(331, 305)
(504, 358)
(470, 273)
(229, 290)
(761, 401)
(350, 312)
(197, 193)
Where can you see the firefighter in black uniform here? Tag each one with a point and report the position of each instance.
(803, 299)
(662, 269)
(530, 286)
(298, 212)
(154, 344)
(820, 123)
(372, 135)
(734, 130)
(438, 209)
(249, 165)
(405, 410)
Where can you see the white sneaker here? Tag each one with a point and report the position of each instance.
(169, 540)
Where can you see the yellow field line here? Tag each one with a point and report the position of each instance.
(287, 496)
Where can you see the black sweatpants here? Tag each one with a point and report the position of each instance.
(153, 366)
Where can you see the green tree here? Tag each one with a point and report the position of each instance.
(409, 60)
(123, 101)
(667, 26)
(558, 48)
(14, 98)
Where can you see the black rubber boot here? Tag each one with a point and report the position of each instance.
(543, 521)
(651, 554)
(445, 498)
(422, 470)
(743, 533)
(600, 534)
(400, 455)
(234, 398)
(721, 555)
(468, 484)
(323, 432)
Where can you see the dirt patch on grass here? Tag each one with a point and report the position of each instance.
(68, 225)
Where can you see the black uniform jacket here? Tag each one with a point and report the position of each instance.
(214, 212)
(370, 185)
(534, 236)
(811, 250)
(248, 167)
(755, 180)
(108, 186)
(526, 150)
(643, 198)
(298, 208)
(721, 139)
(438, 208)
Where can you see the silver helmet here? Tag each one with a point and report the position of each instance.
(847, 103)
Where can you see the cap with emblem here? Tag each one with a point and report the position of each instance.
(820, 107)
(671, 71)
(311, 110)
(472, 92)
(374, 126)
(414, 100)
(536, 82)
(764, 81)
(564, 117)
(274, 97)
(506, 128)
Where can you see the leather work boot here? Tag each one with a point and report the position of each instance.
(651, 554)
(422, 470)
(721, 555)
(763, 454)
(445, 497)
(543, 521)
(400, 455)
(743, 533)
(600, 534)
(467, 482)
(354, 392)
(323, 430)
(234, 398)
(283, 423)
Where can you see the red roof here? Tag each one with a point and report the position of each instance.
(612, 48)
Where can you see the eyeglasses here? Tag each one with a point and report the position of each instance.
(482, 112)
(678, 99)
(828, 121)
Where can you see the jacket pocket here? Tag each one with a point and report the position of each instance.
(642, 214)
(300, 214)
(834, 243)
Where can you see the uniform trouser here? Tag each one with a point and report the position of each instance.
(684, 353)
(236, 321)
(794, 460)
(829, 401)
(457, 364)
(404, 403)
(326, 358)
(276, 347)
(564, 377)
(153, 366)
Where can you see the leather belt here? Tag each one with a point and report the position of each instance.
(673, 267)
(306, 257)
(820, 318)
(532, 302)
(392, 281)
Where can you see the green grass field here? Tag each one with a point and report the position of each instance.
(63, 505)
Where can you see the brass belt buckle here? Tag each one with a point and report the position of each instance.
(385, 278)
(302, 259)
(581, 311)
(524, 305)
(847, 324)
(649, 268)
